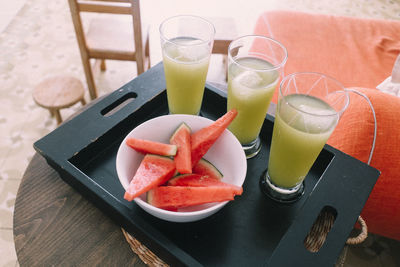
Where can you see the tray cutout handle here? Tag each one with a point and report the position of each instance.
(320, 229)
(118, 104)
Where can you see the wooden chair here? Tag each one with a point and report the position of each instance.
(108, 38)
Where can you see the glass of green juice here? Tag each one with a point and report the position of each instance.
(186, 43)
(309, 108)
(255, 65)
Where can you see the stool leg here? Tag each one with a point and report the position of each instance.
(83, 101)
(225, 63)
(51, 113)
(58, 116)
(89, 78)
(102, 65)
(147, 55)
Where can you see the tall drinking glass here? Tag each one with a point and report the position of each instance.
(186, 43)
(309, 108)
(255, 65)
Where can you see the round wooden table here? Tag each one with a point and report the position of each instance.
(55, 226)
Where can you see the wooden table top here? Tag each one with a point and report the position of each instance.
(55, 226)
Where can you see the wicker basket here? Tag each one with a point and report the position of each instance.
(313, 242)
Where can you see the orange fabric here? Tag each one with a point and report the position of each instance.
(354, 136)
(358, 53)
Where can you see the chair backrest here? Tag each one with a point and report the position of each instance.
(122, 7)
(135, 52)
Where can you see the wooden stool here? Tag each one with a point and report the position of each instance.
(59, 92)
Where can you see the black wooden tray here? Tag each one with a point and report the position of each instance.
(250, 231)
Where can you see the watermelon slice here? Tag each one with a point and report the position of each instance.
(151, 147)
(199, 180)
(204, 167)
(203, 139)
(153, 171)
(185, 196)
(181, 138)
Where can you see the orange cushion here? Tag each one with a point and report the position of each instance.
(359, 53)
(354, 136)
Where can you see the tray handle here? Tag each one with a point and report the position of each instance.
(125, 100)
(320, 229)
(354, 186)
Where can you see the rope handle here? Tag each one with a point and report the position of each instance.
(361, 236)
(145, 254)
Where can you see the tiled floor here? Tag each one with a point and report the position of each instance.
(37, 40)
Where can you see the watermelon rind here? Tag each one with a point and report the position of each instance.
(149, 196)
(154, 170)
(210, 168)
(183, 124)
(173, 180)
(151, 147)
(203, 139)
(166, 197)
(197, 180)
(181, 138)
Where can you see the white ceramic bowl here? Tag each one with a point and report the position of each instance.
(226, 154)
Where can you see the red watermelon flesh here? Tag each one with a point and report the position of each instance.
(185, 196)
(199, 180)
(170, 208)
(203, 139)
(204, 167)
(153, 171)
(151, 147)
(181, 138)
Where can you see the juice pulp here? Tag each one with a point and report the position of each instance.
(185, 65)
(250, 89)
(298, 138)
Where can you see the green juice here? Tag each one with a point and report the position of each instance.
(250, 89)
(185, 66)
(298, 138)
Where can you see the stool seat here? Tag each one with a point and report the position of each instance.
(59, 92)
